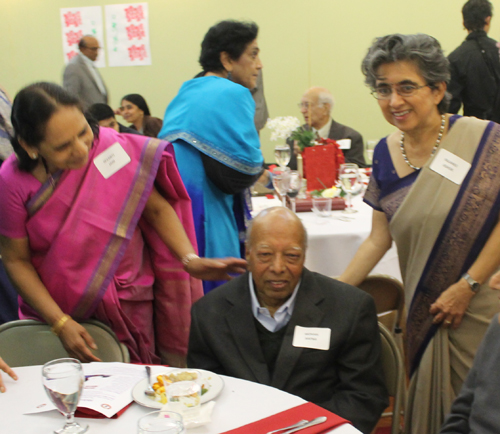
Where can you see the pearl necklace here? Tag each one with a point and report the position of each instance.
(438, 141)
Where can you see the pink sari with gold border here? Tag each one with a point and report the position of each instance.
(99, 259)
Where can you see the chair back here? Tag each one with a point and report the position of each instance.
(394, 375)
(388, 294)
(28, 342)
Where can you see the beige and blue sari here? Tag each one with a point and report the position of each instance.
(440, 228)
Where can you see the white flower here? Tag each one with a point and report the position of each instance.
(282, 126)
(330, 192)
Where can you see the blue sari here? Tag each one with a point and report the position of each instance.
(214, 116)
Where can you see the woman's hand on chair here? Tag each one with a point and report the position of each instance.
(78, 342)
(450, 307)
(8, 370)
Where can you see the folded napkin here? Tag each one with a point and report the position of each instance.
(289, 417)
(92, 414)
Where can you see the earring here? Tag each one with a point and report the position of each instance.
(34, 156)
(229, 75)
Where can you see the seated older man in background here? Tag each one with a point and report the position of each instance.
(316, 106)
(285, 326)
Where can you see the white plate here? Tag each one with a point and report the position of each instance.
(212, 382)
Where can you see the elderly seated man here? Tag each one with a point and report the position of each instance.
(316, 106)
(285, 326)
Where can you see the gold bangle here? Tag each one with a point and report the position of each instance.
(58, 326)
(188, 258)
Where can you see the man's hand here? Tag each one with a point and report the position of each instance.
(6, 368)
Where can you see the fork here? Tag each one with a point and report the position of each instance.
(295, 425)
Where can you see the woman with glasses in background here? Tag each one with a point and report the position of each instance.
(435, 191)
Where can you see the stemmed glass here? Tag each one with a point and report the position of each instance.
(281, 182)
(282, 153)
(63, 381)
(294, 188)
(350, 180)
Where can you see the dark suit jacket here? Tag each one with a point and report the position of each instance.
(78, 80)
(338, 132)
(346, 379)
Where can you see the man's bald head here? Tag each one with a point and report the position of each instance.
(89, 47)
(277, 216)
(316, 106)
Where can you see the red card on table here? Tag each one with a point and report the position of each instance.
(320, 166)
(288, 417)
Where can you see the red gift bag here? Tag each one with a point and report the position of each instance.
(321, 164)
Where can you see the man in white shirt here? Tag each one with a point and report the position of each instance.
(282, 325)
(316, 106)
(81, 76)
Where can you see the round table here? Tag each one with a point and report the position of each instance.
(240, 402)
(332, 243)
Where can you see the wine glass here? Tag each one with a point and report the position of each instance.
(350, 180)
(294, 188)
(282, 153)
(63, 381)
(281, 182)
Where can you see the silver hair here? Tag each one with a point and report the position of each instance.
(265, 212)
(326, 98)
(423, 50)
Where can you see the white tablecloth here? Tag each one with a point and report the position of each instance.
(241, 402)
(333, 242)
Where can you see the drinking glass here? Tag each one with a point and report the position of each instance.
(281, 182)
(295, 186)
(282, 153)
(161, 422)
(350, 179)
(63, 381)
(184, 397)
(322, 206)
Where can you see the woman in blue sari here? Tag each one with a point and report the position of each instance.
(435, 191)
(210, 123)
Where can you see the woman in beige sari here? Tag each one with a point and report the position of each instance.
(435, 191)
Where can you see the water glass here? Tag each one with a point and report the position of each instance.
(322, 206)
(350, 179)
(161, 422)
(281, 182)
(184, 397)
(282, 153)
(63, 381)
(295, 186)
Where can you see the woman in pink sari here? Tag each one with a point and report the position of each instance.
(97, 224)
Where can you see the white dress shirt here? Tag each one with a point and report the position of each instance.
(281, 316)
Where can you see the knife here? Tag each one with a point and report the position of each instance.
(313, 422)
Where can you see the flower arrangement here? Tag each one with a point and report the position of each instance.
(282, 126)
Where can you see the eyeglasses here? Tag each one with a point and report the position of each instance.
(306, 105)
(404, 90)
(93, 48)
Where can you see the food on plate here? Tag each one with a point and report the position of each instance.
(164, 380)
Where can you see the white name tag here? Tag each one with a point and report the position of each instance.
(344, 143)
(312, 337)
(450, 166)
(111, 160)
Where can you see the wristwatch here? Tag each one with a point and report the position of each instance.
(474, 286)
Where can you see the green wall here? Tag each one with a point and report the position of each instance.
(303, 43)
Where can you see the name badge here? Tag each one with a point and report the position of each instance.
(111, 160)
(450, 166)
(344, 143)
(312, 337)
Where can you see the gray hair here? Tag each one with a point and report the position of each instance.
(326, 98)
(267, 211)
(423, 50)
